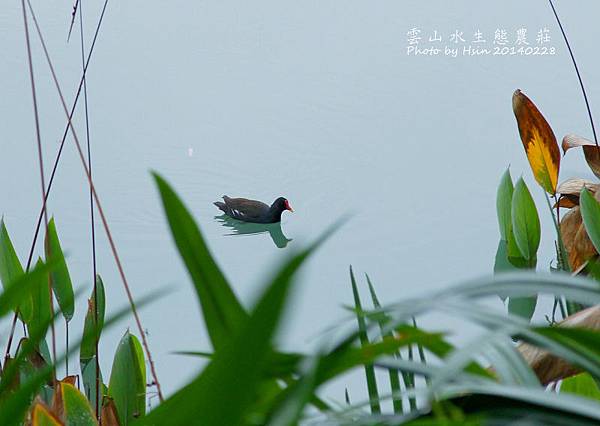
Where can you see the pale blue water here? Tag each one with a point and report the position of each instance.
(315, 101)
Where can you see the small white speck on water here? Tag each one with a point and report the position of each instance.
(190, 152)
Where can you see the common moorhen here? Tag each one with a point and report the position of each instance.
(252, 210)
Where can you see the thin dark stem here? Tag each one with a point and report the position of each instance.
(100, 209)
(58, 155)
(10, 337)
(40, 153)
(73, 13)
(585, 98)
(67, 347)
(563, 309)
(92, 225)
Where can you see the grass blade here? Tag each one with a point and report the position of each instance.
(224, 392)
(364, 341)
(394, 374)
(223, 313)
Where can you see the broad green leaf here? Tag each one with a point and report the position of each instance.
(508, 257)
(539, 142)
(127, 385)
(583, 385)
(525, 403)
(11, 270)
(14, 406)
(501, 263)
(590, 212)
(504, 205)
(12, 409)
(60, 278)
(74, 406)
(223, 313)
(364, 341)
(88, 377)
(290, 411)
(96, 309)
(23, 287)
(225, 391)
(525, 221)
(523, 307)
(42, 310)
(87, 351)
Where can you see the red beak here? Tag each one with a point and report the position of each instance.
(287, 206)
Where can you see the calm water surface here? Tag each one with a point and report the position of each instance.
(317, 102)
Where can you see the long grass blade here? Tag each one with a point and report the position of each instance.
(394, 374)
(364, 341)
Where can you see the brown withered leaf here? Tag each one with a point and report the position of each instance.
(72, 380)
(574, 186)
(590, 151)
(539, 142)
(550, 368)
(109, 415)
(575, 239)
(567, 201)
(570, 189)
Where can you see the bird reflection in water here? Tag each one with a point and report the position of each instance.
(238, 227)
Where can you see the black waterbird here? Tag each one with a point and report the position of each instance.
(252, 210)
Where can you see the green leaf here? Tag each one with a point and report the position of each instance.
(501, 263)
(393, 373)
(290, 411)
(225, 391)
(525, 221)
(583, 385)
(87, 351)
(11, 270)
(42, 310)
(582, 344)
(364, 341)
(523, 307)
(88, 377)
(590, 212)
(127, 385)
(88, 347)
(59, 277)
(504, 205)
(23, 287)
(223, 313)
(15, 405)
(75, 407)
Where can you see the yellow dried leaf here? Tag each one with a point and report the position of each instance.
(539, 142)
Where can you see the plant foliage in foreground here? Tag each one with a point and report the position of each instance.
(248, 381)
